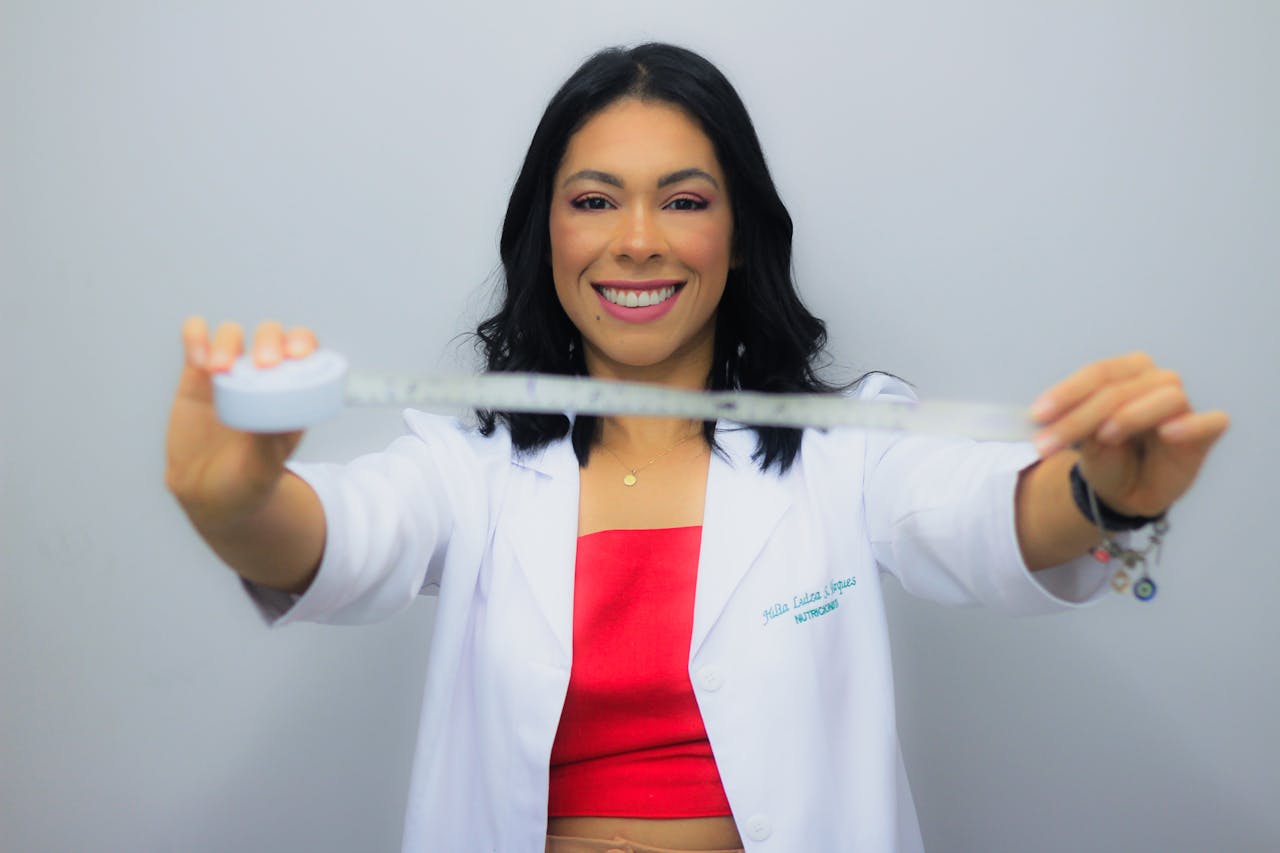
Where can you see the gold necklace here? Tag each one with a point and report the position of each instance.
(631, 477)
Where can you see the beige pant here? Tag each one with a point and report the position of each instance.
(565, 844)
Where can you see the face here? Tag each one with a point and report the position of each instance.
(641, 236)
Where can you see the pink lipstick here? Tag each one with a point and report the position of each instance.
(638, 301)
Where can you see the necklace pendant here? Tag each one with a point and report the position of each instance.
(630, 479)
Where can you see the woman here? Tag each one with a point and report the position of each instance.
(656, 634)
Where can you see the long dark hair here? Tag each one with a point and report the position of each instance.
(765, 339)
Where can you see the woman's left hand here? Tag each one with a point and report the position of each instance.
(1141, 444)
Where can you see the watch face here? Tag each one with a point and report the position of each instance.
(1145, 589)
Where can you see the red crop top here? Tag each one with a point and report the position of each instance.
(631, 741)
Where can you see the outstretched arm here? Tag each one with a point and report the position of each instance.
(1139, 443)
(263, 521)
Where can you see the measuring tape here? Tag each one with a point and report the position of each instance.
(300, 393)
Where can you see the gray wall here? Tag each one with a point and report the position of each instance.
(986, 194)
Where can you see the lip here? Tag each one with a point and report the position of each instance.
(647, 314)
(647, 284)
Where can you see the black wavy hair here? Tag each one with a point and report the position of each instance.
(765, 339)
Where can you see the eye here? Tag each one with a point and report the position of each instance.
(590, 202)
(687, 203)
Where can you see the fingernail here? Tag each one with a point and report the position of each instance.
(1042, 408)
(267, 355)
(296, 347)
(1109, 433)
(200, 355)
(1047, 444)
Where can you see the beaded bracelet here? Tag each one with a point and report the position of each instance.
(1132, 561)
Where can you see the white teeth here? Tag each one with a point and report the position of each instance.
(638, 298)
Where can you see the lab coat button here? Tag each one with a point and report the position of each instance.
(758, 827)
(710, 678)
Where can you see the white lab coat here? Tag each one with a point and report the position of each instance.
(789, 656)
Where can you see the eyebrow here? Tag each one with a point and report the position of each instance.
(664, 181)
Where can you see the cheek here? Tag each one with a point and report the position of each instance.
(570, 256)
(706, 246)
(572, 247)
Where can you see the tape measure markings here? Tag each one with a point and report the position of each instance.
(300, 393)
(542, 393)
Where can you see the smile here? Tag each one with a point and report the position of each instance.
(638, 301)
(637, 298)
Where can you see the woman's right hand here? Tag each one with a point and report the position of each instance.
(219, 475)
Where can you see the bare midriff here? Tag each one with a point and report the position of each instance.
(693, 833)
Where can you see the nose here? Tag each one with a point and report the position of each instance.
(639, 237)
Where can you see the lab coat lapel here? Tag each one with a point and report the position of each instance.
(742, 509)
(544, 533)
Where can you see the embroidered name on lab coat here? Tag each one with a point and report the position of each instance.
(810, 604)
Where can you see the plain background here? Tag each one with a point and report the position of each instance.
(986, 194)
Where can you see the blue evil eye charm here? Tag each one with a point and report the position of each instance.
(1144, 589)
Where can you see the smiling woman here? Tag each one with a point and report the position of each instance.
(645, 171)
(641, 238)
(633, 610)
